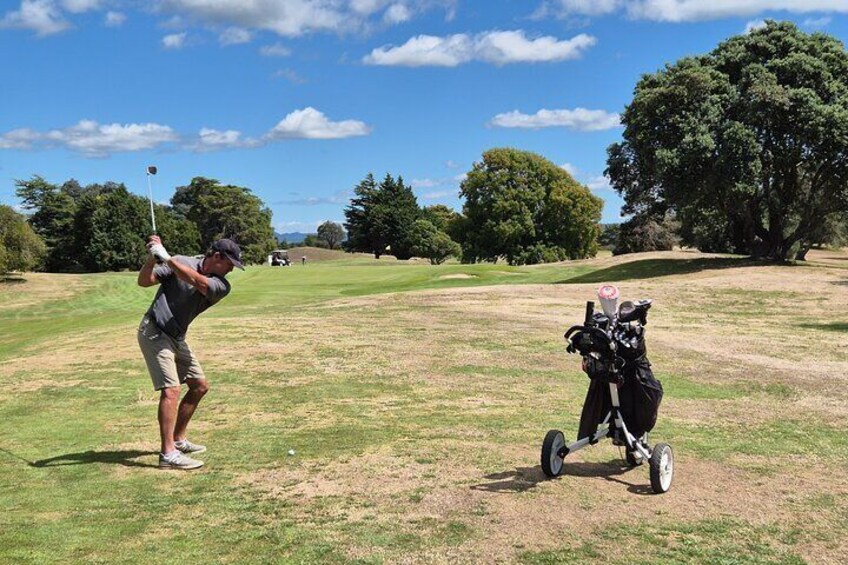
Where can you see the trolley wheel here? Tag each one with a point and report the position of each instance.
(662, 468)
(551, 459)
(634, 458)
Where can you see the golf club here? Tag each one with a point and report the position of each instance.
(151, 170)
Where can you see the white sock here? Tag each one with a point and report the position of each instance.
(171, 455)
(180, 441)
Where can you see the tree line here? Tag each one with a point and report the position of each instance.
(519, 206)
(102, 227)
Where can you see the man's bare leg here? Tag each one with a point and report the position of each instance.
(168, 399)
(197, 388)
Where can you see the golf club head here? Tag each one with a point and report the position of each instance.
(151, 170)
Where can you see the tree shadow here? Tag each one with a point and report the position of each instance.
(11, 279)
(650, 268)
(126, 458)
(519, 480)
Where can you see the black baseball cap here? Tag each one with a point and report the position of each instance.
(231, 250)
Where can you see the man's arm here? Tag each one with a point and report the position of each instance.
(145, 275)
(189, 276)
(182, 272)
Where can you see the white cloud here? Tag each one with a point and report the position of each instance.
(339, 197)
(498, 47)
(80, 6)
(115, 19)
(565, 8)
(754, 25)
(309, 123)
(174, 40)
(275, 50)
(290, 18)
(425, 183)
(96, 140)
(450, 164)
(570, 169)
(213, 140)
(397, 13)
(235, 36)
(23, 138)
(578, 118)
(690, 10)
(290, 76)
(599, 184)
(40, 16)
(817, 22)
(92, 139)
(301, 227)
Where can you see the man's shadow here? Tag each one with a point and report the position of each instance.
(526, 478)
(126, 458)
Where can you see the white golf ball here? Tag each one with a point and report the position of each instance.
(291, 451)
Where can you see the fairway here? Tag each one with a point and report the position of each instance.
(416, 398)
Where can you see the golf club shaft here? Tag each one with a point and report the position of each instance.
(150, 196)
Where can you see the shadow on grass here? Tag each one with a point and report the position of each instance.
(12, 279)
(520, 480)
(127, 458)
(526, 478)
(609, 471)
(650, 268)
(832, 327)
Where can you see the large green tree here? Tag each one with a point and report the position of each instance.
(524, 208)
(362, 233)
(748, 144)
(224, 210)
(111, 226)
(332, 233)
(380, 218)
(99, 227)
(52, 209)
(430, 242)
(21, 249)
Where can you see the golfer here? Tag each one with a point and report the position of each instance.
(188, 286)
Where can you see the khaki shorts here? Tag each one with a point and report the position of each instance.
(169, 361)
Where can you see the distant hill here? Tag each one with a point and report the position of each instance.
(291, 237)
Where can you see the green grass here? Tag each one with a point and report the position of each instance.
(726, 542)
(451, 405)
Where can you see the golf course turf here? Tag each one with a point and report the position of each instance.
(415, 398)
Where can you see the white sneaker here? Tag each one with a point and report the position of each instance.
(179, 461)
(186, 446)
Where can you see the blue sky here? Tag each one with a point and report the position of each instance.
(299, 99)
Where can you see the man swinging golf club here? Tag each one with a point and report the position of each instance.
(188, 286)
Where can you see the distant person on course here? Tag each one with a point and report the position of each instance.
(188, 286)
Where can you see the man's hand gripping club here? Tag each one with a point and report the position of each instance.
(155, 247)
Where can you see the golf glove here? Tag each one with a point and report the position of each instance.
(158, 251)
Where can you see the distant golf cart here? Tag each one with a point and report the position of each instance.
(279, 258)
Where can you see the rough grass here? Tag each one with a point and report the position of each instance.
(416, 401)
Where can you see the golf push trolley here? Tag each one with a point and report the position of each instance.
(623, 397)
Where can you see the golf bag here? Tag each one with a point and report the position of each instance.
(613, 350)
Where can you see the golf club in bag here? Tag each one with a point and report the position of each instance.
(623, 397)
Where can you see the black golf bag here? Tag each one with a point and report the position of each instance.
(614, 351)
